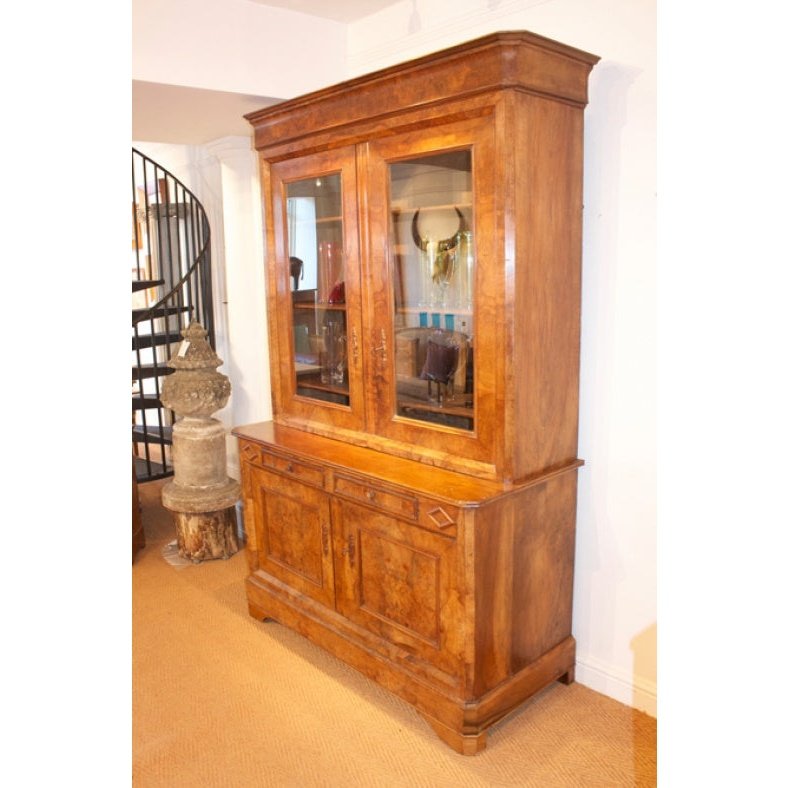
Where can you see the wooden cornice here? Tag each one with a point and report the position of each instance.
(517, 60)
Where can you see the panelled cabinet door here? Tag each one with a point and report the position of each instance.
(400, 582)
(316, 283)
(436, 323)
(293, 522)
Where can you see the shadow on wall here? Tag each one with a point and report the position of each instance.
(602, 524)
(644, 696)
(644, 668)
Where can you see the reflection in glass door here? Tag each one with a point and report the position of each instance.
(432, 254)
(317, 285)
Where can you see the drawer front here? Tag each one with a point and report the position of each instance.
(432, 515)
(304, 472)
(398, 504)
(287, 466)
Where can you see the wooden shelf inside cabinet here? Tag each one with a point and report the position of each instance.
(319, 305)
(450, 408)
(400, 208)
(311, 380)
(451, 414)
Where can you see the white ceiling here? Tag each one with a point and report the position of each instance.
(189, 116)
(338, 10)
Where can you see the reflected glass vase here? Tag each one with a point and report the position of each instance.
(443, 272)
(333, 354)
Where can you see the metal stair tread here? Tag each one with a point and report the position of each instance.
(144, 401)
(139, 341)
(153, 434)
(157, 470)
(145, 284)
(150, 371)
(159, 311)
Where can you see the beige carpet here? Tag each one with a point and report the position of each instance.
(220, 699)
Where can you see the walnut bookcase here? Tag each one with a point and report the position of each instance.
(411, 507)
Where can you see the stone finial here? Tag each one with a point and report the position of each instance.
(196, 388)
(201, 496)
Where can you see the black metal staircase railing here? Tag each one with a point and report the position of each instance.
(171, 287)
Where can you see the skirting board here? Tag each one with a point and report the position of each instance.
(639, 693)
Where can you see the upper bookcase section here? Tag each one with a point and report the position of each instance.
(516, 60)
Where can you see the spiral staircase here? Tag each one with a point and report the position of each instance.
(171, 287)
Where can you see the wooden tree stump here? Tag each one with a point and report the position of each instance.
(206, 535)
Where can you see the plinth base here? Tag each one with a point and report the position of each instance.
(204, 536)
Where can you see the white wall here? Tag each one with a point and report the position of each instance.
(615, 583)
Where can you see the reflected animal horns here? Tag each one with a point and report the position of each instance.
(446, 245)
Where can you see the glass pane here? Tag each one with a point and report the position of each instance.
(432, 254)
(314, 232)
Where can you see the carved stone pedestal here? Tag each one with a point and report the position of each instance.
(201, 496)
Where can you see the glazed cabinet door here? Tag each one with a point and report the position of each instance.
(316, 317)
(399, 582)
(436, 299)
(293, 533)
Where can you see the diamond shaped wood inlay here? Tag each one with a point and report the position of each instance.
(440, 518)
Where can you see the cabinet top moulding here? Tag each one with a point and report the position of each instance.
(457, 488)
(516, 60)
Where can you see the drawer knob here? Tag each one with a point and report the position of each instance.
(370, 495)
(289, 467)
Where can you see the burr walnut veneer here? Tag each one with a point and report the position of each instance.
(411, 506)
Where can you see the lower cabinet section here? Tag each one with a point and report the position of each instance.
(453, 593)
(400, 582)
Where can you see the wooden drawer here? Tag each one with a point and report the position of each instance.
(398, 504)
(287, 466)
(434, 516)
(296, 469)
